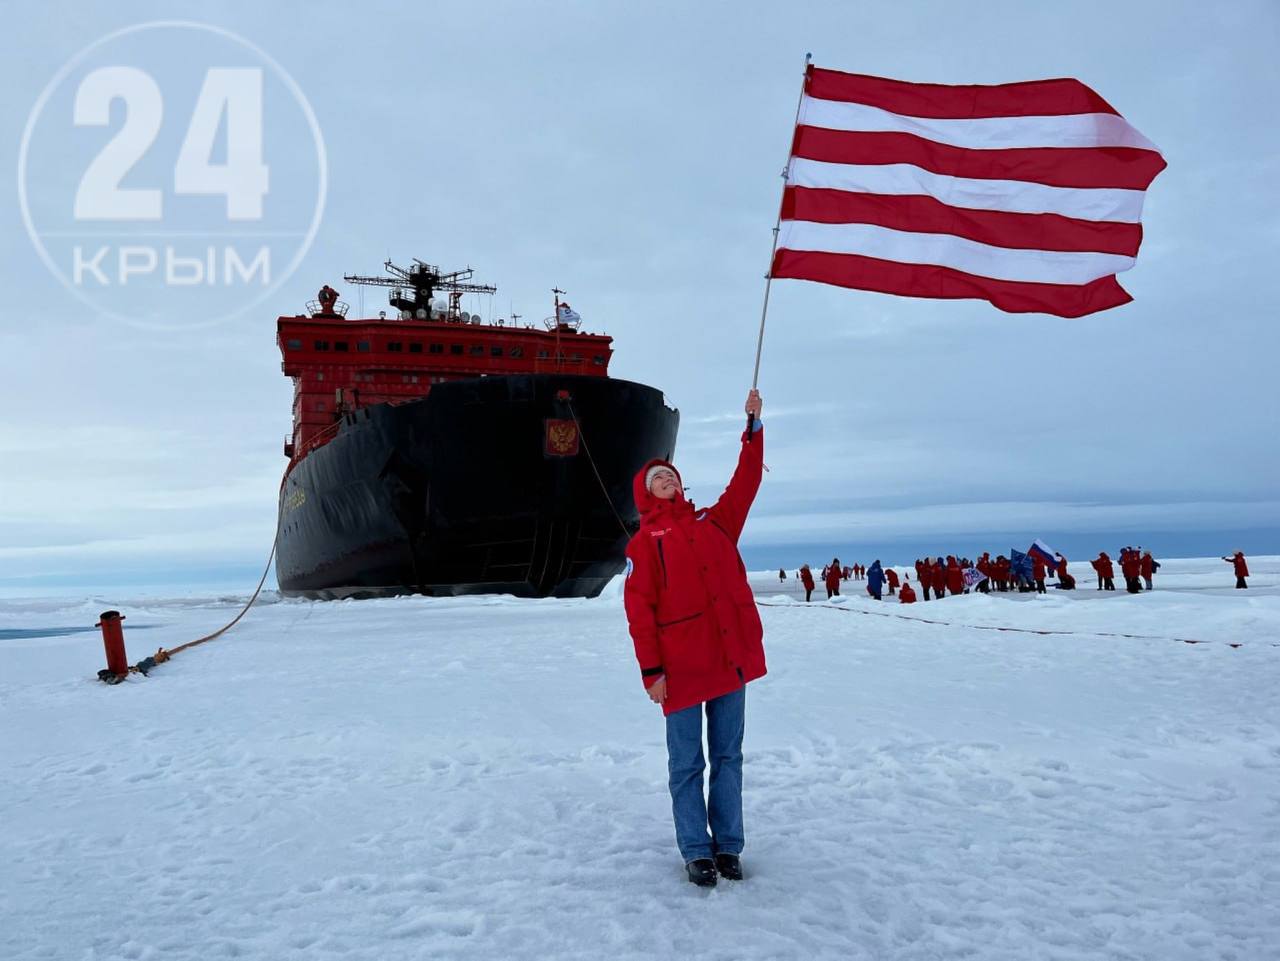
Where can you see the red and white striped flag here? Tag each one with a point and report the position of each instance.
(1027, 195)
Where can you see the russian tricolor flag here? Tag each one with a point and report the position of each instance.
(1045, 553)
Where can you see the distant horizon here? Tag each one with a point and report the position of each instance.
(240, 579)
(1075, 546)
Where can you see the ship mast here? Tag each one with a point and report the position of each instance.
(413, 287)
(556, 292)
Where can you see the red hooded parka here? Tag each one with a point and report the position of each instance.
(832, 580)
(938, 576)
(690, 610)
(1130, 564)
(955, 576)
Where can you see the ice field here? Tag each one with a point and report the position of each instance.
(484, 778)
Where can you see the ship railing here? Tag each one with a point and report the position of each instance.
(320, 437)
(316, 309)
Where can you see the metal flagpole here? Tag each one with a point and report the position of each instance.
(768, 277)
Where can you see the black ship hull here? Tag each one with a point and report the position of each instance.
(483, 486)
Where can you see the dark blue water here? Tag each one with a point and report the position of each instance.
(23, 633)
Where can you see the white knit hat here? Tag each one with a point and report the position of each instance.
(653, 472)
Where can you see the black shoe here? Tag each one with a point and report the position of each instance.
(702, 872)
(729, 866)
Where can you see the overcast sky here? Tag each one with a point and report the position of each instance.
(630, 153)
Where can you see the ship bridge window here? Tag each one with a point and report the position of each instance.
(395, 346)
(477, 350)
(294, 344)
(340, 345)
(543, 355)
(455, 348)
(362, 346)
(437, 348)
(598, 360)
(517, 351)
(321, 345)
(415, 347)
(495, 351)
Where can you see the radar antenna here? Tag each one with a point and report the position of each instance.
(413, 287)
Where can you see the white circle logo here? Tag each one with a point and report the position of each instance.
(172, 175)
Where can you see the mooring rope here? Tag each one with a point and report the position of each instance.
(145, 665)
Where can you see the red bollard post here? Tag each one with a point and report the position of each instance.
(113, 641)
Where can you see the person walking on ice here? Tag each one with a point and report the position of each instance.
(699, 642)
(1148, 567)
(806, 579)
(832, 579)
(875, 579)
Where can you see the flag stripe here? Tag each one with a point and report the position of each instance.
(1126, 167)
(928, 215)
(1041, 98)
(1072, 130)
(914, 280)
(1012, 196)
(944, 250)
(1027, 195)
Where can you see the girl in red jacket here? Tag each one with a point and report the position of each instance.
(699, 641)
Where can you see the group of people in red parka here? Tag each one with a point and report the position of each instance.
(832, 575)
(1135, 563)
(941, 576)
(947, 576)
(998, 574)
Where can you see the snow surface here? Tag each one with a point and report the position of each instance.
(484, 778)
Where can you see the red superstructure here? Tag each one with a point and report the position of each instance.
(339, 365)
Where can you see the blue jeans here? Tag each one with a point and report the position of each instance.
(685, 764)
